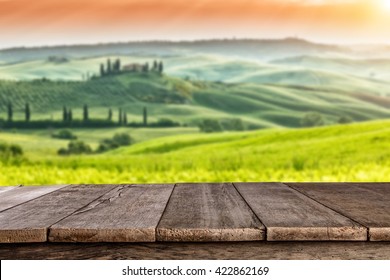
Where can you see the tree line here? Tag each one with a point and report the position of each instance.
(10, 112)
(68, 120)
(67, 114)
(115, 67)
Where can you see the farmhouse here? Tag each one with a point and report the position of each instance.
(133, 67)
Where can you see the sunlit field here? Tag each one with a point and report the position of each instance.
(354, 152)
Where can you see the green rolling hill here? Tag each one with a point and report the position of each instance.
(266, 83)
(378, 68)
(276, 147)
(195, 66)
(354, 152)
(370, 76)
(186, 101)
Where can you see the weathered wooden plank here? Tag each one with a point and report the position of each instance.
(208, 212)
(19, 195)
(125, 214)
(289, 215)
(28, 222)
(257, 250)
(366, 203)
(4, 189)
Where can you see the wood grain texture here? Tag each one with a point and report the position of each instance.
(125, 214)
(259, 250)
(29, 222)
(7, 188)
(19, 195)
(289, 215)
(208, 212)
(366, 203)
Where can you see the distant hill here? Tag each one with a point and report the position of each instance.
(369, 68)
(187, 101)
(254, 49)
(343, 75)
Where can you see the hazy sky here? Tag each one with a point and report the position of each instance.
(53, 22)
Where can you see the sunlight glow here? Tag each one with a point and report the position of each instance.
(386, 4)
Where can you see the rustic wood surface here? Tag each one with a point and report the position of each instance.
(29, 222)
(17, 195)
(261, 250)
(208, 212)
(290, 215)
(128, 213)
(196, 212)
(7, 188)
(366, 203)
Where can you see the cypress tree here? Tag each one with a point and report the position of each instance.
(65, 114)
(146, 67)
(109, 67)
(155, 65)
(145, 117)
(120, 116)
(124, 118)
(70, 115)
(27, 112)
(117, 66)
(102, 71)
(10, 111)
(113, 67)
(160, 67)
(110, 114)
(85, 113)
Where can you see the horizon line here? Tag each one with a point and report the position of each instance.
(97, 43)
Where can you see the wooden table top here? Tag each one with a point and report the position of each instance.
(202, 212)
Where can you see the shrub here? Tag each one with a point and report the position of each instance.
(210, 125)
(344, 119)
(10, 152)
(79, 147)
(16, 150)
(65, 134)
(103, 148)
(312, 119)
(119, 139)
(122, 139)
(165, 122)
(63, 152)
(57, 59)
(75, 148)
(233, 124)
(298, 163)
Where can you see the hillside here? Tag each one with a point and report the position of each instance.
(186, 101)
(356, 152)
(46, 96)
(351, 76)
(363, 67)
(351, 144)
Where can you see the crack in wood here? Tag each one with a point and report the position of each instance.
(117, 192)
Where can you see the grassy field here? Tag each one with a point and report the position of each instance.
(355, 152)
(39, 144)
